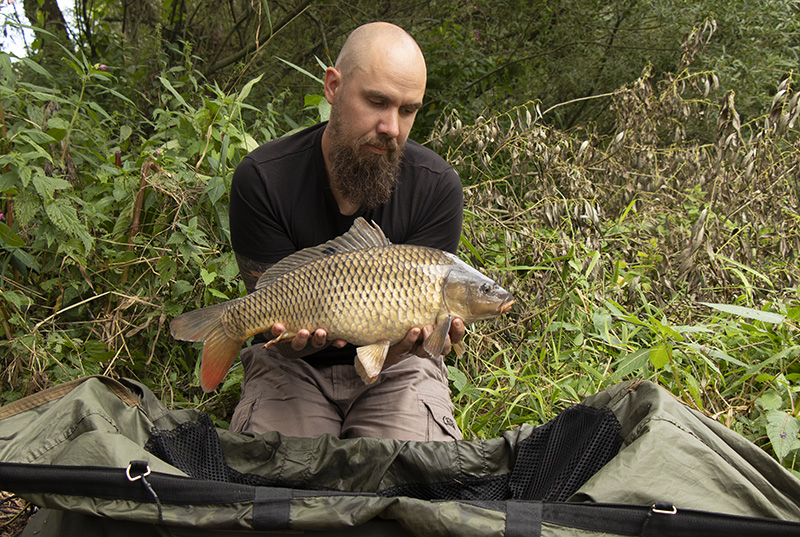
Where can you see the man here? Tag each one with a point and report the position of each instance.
(305, 189)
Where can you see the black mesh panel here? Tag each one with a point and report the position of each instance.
(192, 447)
(550, 465)
(564, 453)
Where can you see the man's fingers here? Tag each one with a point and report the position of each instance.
(277, 329)
(320, 338)
(457, 330)
(300, 340)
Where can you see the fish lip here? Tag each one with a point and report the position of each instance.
(505, 306)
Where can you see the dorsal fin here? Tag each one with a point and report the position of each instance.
(360, 236)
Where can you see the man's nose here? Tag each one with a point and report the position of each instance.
(389, 124)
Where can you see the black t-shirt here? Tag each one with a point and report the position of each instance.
(281, 202)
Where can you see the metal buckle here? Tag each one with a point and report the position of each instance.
(663, 508)
(141, 475)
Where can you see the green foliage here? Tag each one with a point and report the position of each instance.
(666, 250)
(638, 195)
(115, 223)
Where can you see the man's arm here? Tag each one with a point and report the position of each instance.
(250, 271)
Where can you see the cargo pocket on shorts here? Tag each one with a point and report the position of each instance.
(241, 415)
(441, 425)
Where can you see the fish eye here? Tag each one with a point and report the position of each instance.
(485, 288)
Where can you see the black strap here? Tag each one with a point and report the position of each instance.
(271, 508)
(272, 504)
(523, 518)
(662, 520)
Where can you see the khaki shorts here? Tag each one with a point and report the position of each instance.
(410, 400)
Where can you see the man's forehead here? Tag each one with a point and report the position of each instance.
(398, 81)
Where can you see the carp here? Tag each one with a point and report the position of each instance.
(358, 287)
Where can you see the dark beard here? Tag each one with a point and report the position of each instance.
(362, 177)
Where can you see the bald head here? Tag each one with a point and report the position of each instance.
(382, 42)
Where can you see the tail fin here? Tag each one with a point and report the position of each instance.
(219, 350)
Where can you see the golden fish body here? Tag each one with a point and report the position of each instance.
(359, 296)
(358, 287)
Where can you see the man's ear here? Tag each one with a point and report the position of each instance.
(333, 84)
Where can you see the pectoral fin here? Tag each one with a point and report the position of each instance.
(369, 360)
(283, 337)
(435, 342)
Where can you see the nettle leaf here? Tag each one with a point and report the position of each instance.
(64, 216)
(46, 186)
(166, 268)
(180, 288)
(782, 430)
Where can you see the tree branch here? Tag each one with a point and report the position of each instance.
(254, 46)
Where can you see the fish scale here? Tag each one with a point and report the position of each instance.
(359, 288)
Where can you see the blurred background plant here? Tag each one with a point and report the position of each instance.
(630, 173)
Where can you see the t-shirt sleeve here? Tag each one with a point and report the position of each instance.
(256, 230)
(438, 222)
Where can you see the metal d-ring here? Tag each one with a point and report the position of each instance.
(663, 509)
(141, 475)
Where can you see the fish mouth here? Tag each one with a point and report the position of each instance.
(505, 306)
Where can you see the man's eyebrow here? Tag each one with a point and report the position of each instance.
(375, 94)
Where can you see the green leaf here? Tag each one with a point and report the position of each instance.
(324, 109)
(63, 214)
(457, 377)
(181, 287)
(166, 268)
(715, 353)
(782, 429)
(57, 123)
(8, 238)
(750, 313)
(218, 294)
(247, 87)
(168, 85)
(35, 66)
(46, 186)
(20, 301)
(770, 401)
(659, 356)
(96, 351)
(629, 363)
(208, 277)
(309, 75)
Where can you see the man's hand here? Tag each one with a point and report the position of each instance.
(304, 343)
(416, 338)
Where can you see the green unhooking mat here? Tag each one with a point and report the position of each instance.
(105, 457)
